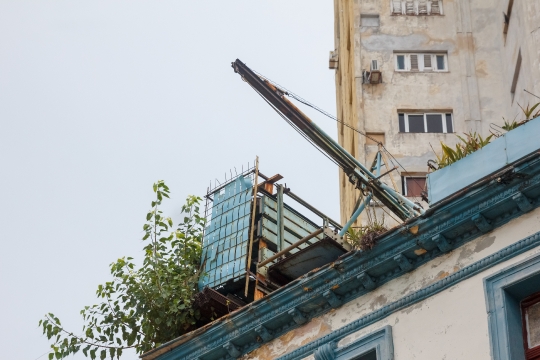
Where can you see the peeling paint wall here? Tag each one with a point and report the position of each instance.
(450, 325)
(476, 89)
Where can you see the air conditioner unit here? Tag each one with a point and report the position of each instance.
(374, 65)
(334, 60)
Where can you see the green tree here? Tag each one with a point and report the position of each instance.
(141, 308)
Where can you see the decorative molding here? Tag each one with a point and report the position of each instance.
(263, 333)
(481, 223)
(233, 351)
(332, 298)
(349, 277)
(297, 316)
(325, 352)
(366, 280)
(523, 202)
(403, 262)
(504, 291)
(380, 340)
(442, 242)
(422, 294)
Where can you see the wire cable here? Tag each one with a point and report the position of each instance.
(327, 114)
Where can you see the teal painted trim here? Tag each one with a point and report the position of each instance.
(443, 228)
(422, 294)
(381, 341)
(504, 292)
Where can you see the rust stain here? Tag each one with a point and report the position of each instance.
(335, 287)
(414, 229)
(285, 343)
(308, 289)
(481, 69)
(442, 275)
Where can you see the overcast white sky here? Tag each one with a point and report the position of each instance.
(99, 99)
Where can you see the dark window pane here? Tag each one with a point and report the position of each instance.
(415, 186)
(401, 122)
(434, 123)
(449, 127)
(440, 62)
(372, 355)
(401, 62)
(416, 123)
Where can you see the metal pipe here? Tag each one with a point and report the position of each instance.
(252, 226)
(312, 209)
(280, 217)
(289, 248)
(355, 216)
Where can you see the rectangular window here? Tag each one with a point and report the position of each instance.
(422, 62)
(425, 122)
(413, 186)
(416, 7)
(514, 314)
(369, 20)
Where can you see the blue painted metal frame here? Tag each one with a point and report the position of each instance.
(444, 227)
(379, 341)
(226, 236)
(504, 292)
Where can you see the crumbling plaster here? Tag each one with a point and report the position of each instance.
(460, 311)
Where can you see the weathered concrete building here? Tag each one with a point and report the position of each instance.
(411, 73)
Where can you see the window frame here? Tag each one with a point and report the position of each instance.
(404, 183)
(379, 340)
(425, 114)
(504, 292)
(403, 7)
(421, 62)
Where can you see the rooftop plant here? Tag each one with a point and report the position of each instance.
(472, 141)
(143, 306)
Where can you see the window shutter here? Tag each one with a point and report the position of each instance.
(436, 7)
(409, 7)
(427, 61)
(414, 62)
(422, 7)
(396, 7)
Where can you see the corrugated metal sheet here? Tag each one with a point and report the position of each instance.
(227, 234)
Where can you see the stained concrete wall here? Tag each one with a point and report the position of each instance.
(450, 325)
(476, 89)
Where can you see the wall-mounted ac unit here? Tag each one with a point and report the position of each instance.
(334, 60)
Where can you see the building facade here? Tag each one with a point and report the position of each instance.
(413, 73)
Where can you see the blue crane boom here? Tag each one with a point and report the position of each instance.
(362, 177)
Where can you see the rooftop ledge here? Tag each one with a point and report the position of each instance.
(486, 190)
(507, 149)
